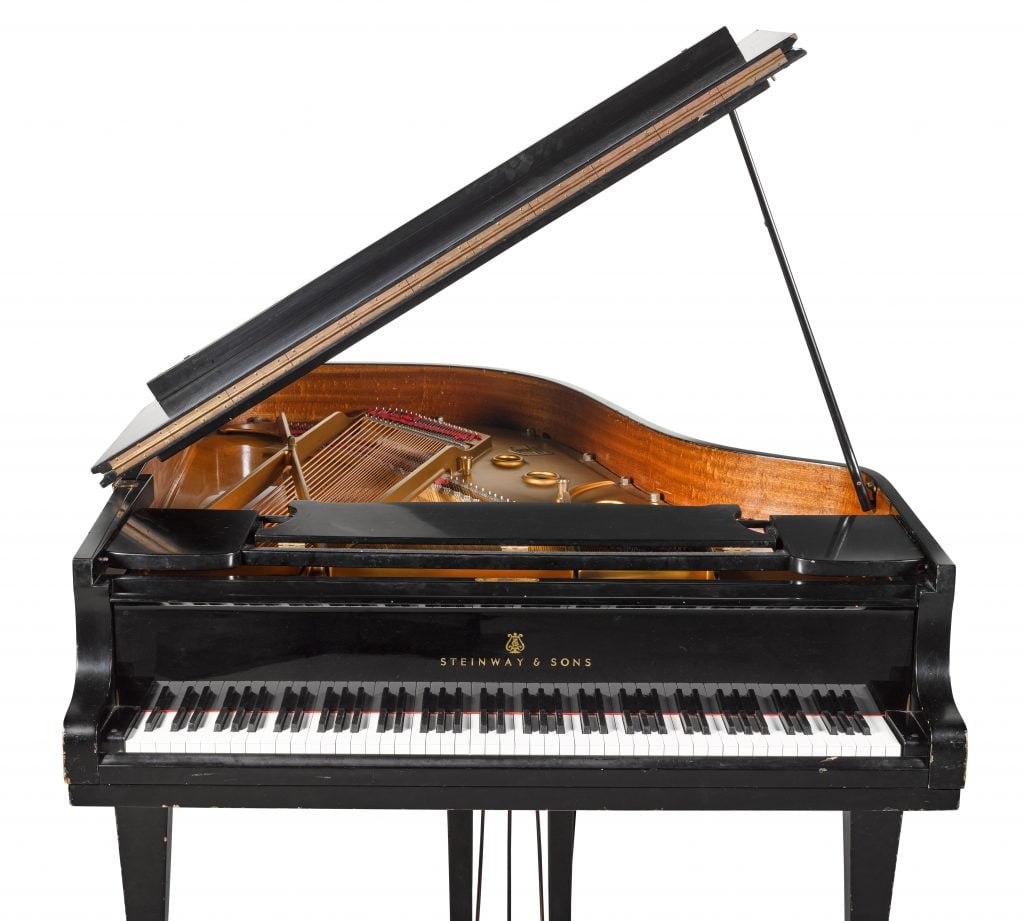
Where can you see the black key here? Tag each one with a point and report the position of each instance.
(687, 716)
(245, 705)
(444, 705)
(428, 709)
(684, 704)
(642, 704)
(231, 699)
(163, 702)
(500, 712)
(727, 717)
(859, 721)
(842, 720)
(188, 701)
(559, 713)
(785, 717)
(754, 712)
(823, 711)
(263, 702)
(624, 705)
(327, 709)
(206, 699)
(585, 712)
(738, 714)
(357, 709)
(543, 705)
(459, 708)
(527, 709)
(486, 711)
(346, 704)
(842, 717)
(288, 702)
(602, 717)
(790, 704)
(403, 703)
(305, 703)
(387, 704)
(654, 700)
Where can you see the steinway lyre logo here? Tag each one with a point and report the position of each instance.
(515, 644)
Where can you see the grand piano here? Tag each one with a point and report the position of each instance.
(451, 588)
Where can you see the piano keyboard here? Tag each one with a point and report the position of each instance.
(563, 720)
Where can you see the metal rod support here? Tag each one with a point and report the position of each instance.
(866, 501)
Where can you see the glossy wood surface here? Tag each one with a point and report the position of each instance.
(683, 470)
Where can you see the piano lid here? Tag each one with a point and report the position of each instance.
(447, 241)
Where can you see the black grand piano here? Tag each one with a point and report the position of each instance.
(459, 589)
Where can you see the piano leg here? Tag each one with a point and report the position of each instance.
(561, 834)
(870, 843)
(460, 864)
(144, 840)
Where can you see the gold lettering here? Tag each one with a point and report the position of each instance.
(586, 662)
(444, 662)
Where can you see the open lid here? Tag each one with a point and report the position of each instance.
(447, 241)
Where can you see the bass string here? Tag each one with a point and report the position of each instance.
(360, 464)
(396, 454)
(344, 473)
(390, 454)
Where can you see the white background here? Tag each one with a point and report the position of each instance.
(168, 170)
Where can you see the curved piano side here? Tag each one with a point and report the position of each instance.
(684, 470)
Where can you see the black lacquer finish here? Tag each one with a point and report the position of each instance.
(144, 842)
(870, 843)
(171, 603)
(460, 865)
(561, 840)
(522, 523)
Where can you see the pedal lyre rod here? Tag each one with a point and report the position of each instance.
(866, 501)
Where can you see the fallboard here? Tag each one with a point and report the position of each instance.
(484, 643)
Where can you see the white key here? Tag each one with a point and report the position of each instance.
(521, 740)
(883, 742)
